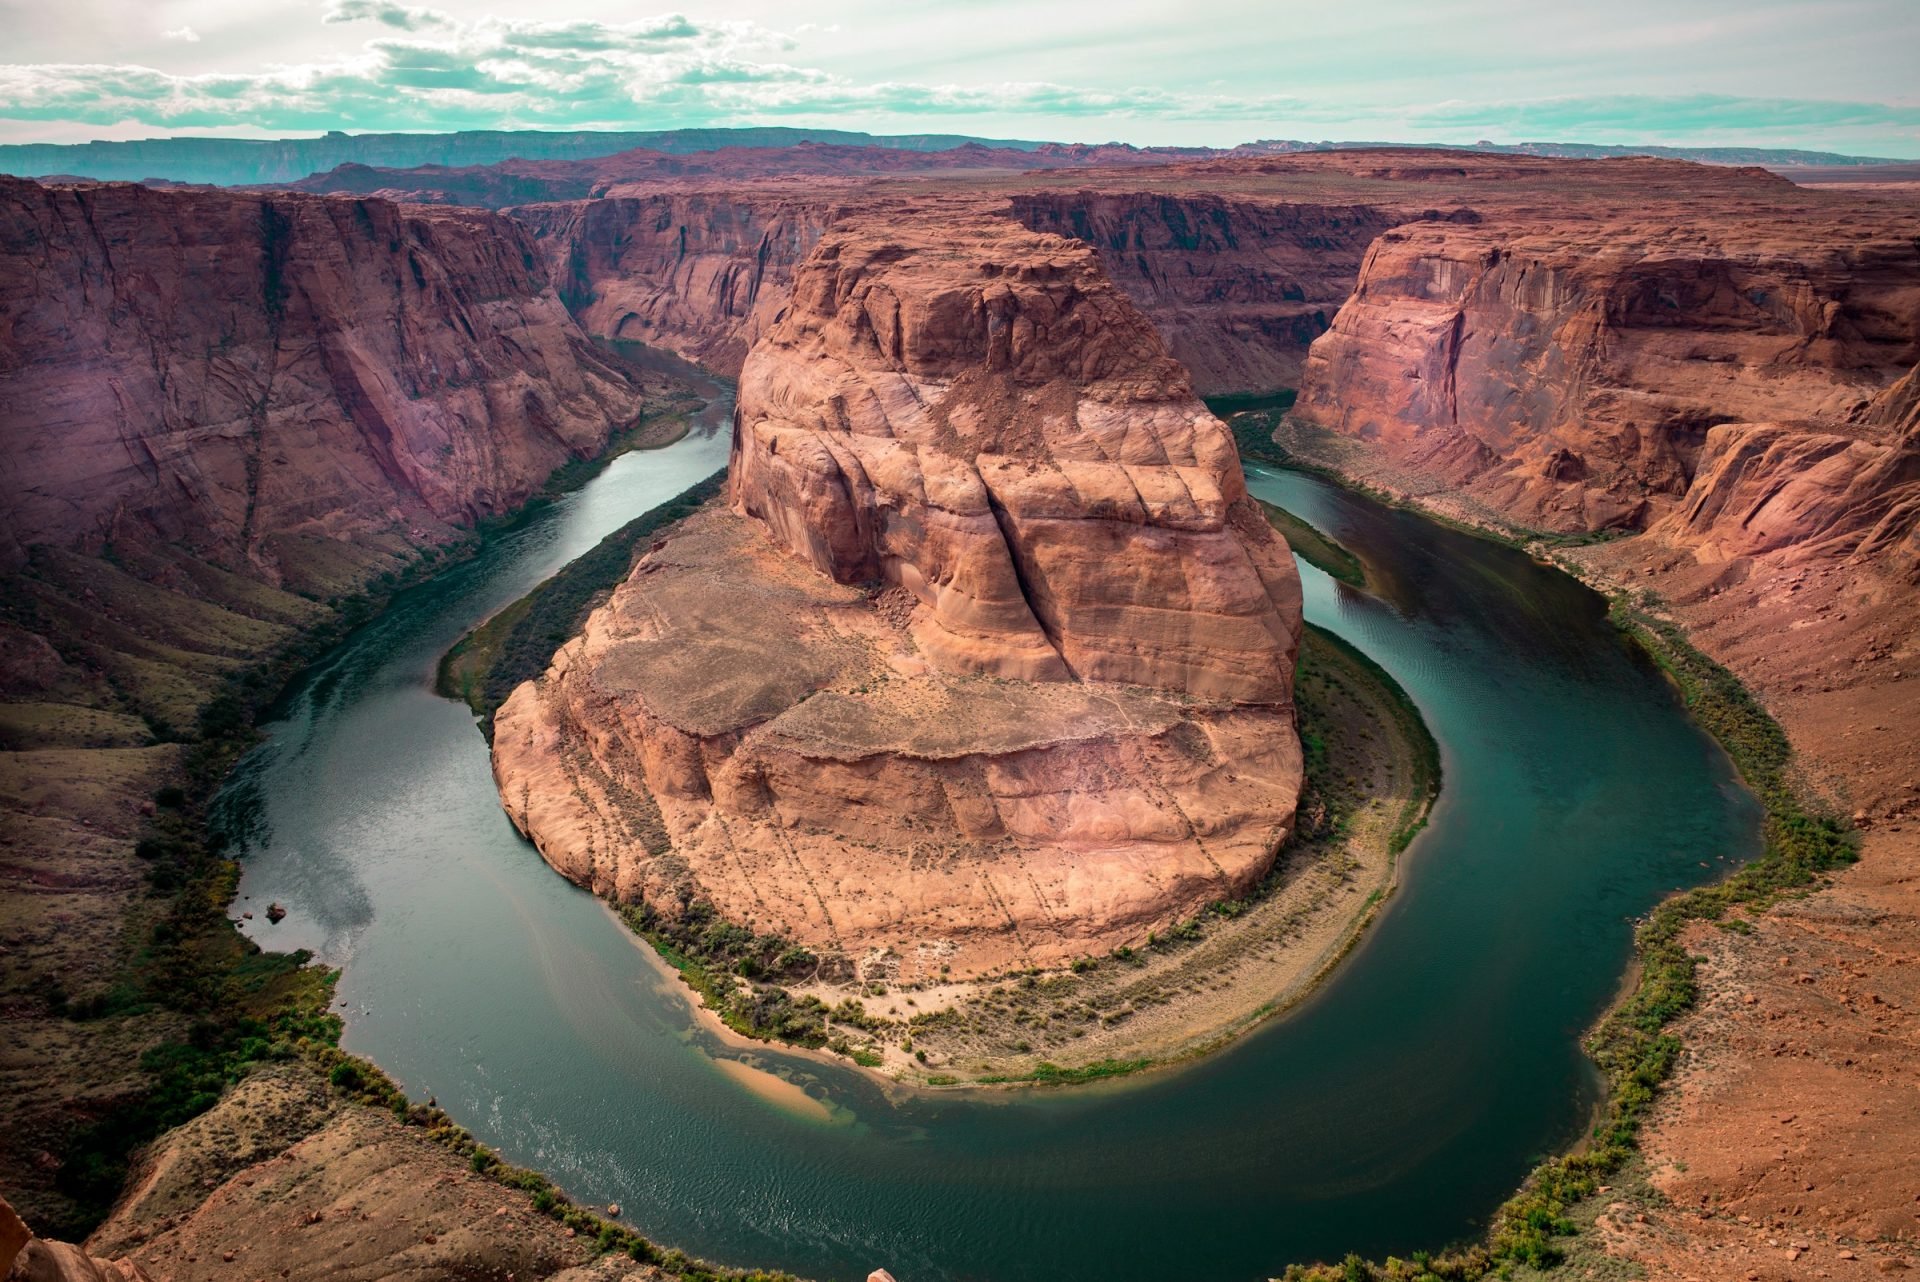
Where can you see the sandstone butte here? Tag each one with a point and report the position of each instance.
(987, 664)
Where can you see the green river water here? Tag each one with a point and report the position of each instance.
(1393, 1110)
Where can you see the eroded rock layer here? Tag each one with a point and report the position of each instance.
(700, 273)
(1239, 288)
(990, 662)
(1588, 375)
(238, 374)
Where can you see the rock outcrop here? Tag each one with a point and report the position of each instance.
(26, 1258)
(989, 665)
(255, 379)
(1765, 488)
(1578, 376)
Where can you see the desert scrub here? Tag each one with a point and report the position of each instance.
(740, 976)
(1634, 1045)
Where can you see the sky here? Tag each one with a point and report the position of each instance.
(1835, 75)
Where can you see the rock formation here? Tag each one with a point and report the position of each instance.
(703, 274)
(256, 378)
(989, 665)
(1765, 488)
(1239, 288)
(26, 1258)
(1577, 376)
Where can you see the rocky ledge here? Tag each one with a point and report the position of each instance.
(988, 663)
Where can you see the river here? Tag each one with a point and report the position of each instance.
(1392, 1110)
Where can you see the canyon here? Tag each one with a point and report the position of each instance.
(927, 640)
(226, 417)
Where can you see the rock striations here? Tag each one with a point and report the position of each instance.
(703, 274)
(246, 377)
(1609, 373)
(989, 663)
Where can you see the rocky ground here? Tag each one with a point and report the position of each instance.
(285, 1179)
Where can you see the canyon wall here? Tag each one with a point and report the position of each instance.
(702, 274)
(1239, 288)
(990, 664)
(218, 412)
(246, 377)
(1583, 375)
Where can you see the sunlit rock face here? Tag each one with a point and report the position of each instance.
(987, 663)
(252, 377)
(1577, 375)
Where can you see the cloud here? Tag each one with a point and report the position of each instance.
(424, 69)
(187, 34)
(402, 16)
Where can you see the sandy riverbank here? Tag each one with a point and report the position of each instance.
(1193, 988)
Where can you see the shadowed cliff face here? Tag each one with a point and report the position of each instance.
(243, 375)
(1238, 288)
(991, 664)
(699, 273)
(1588, 375)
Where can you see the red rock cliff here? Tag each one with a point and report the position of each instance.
(1574, 376)
(241, 375)
(700, 273)
(1238, 288)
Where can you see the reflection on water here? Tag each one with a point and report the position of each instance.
(1385, 1114)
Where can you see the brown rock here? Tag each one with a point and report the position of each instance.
(26, 1258)
(237, 373)
(1572, 376)
(975, 420)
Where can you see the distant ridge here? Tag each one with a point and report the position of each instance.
(1767, 156)
(231, 162)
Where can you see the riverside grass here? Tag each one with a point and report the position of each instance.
(1633, 1045)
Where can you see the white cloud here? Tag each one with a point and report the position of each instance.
(187, 34)
(404, 17)
(421, 67)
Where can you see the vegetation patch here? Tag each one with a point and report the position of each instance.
(1315, 548)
